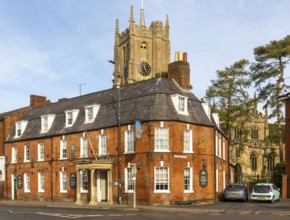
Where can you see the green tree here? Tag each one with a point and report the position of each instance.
(229, 94)
(268, 75)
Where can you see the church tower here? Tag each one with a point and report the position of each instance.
(140, 52)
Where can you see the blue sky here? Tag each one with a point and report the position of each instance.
(49, 47)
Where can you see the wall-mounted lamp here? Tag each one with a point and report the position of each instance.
(140, 165)
(204, 164)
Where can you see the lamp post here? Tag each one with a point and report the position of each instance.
(119, 134)
(119, 141)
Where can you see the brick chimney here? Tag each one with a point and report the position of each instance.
(179, 70)
(37, 101)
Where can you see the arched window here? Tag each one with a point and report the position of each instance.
(255, 133)
(238, 174)
(238, 133)
(253, 159)
(144, 51)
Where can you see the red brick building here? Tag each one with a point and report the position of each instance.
(169, 146)
(7, 121)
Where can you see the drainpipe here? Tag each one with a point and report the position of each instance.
(6, 161)
(215, 153)
(51, 173)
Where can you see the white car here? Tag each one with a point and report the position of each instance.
(265, 192)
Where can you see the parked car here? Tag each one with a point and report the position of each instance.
(236, 191)
(265, 192)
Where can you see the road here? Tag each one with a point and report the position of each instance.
(220, 211)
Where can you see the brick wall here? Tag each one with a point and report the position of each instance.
(176, 160)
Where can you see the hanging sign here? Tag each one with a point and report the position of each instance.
(72, 180)
(19, 182)
(203, 179)
(138, 129)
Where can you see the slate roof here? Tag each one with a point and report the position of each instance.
(148, 100)
(6, 114)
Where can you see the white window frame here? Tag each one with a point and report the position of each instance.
(26, 182)
(161, 140)
(46, 122)
(180, 103)
(91, 113)
(84, 147)
(84, 175)
(159, 177)
(40, 151)
(40, 182)
(63, 149)
(187, 141)
(188, 171)
(14, 155)
(129, 181)
(102, 144)
(129, 141)
(63, 182)
(70, 117)
(26, 153)
(19, 128)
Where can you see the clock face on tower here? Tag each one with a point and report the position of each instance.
(144, 68)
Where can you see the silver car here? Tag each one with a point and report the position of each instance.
(265, 192)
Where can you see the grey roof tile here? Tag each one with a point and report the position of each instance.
(148, 100)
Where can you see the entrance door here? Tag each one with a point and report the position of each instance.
(13, 187)
(104, 185)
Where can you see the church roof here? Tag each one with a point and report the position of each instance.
(148, 100)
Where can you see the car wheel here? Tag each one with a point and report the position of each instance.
(273, 200)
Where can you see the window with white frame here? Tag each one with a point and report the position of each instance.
(84, 147)
(19, 128)
(84, 181)
(91, 112)
(26, 182)
(161, 139)
(188, 179)
(161, 179)
(187, 141)
(70, 117)
(46, 122)
(63, 182)
(129, 179)
(26, 153)
(63, 149)
(180, 104)
(129, 144)
(103, 144)
(40, 182)
(14, 155)
(40, 150)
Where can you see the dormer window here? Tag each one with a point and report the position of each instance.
(19, 128)
(70, 117)
(180, 103)
(46, 122)
(91, 112)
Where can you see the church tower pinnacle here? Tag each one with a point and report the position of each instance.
(142, 16)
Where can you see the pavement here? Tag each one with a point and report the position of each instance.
(219, 208)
